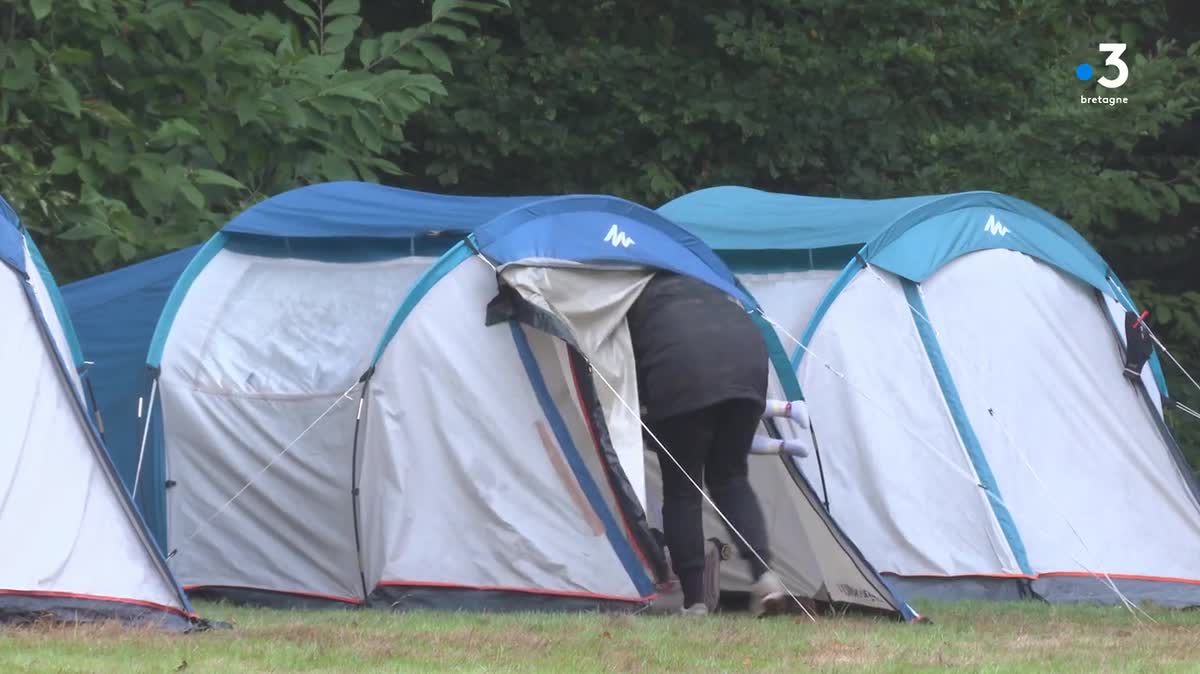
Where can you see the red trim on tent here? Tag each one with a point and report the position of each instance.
(587, 418)
(298, 593)
(1048, 574)
(525, 590)
(948, 576)
(98, 597)
(1120, 576)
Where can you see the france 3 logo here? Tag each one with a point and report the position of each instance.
(1085, 72)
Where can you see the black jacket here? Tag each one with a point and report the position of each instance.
(694, 346)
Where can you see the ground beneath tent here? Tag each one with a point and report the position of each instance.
(1032, 637)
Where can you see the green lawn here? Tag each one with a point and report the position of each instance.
(988, 637)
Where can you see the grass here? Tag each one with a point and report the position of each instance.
(975, 637)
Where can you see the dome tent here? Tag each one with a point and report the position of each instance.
(963, 373)
(75, 548)
(339, 419)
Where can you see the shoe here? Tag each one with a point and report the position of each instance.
(768, 596)
(695, 610)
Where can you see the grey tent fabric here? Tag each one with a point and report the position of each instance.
(72, 547)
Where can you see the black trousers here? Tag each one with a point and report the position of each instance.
(713, 446)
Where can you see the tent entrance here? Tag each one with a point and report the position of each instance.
(586, 306)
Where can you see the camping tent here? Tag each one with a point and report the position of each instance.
(340, 416)
(74, 547)
(963, 373)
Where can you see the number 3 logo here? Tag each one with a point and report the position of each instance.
(1114, 49)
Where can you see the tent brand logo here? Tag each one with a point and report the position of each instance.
(993, 227)
(618, 238)
(858, 592)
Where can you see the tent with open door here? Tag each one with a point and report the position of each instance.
(338, 419)
(964, 374)
(73, 546)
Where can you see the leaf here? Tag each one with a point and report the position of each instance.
(175, 130)
(68, 95)
(246, 108)
(368, 52)
(460, 17)
(105, 250)
(300, 7)
(211, 177)
(215, 148)
(440, 7)
(367, 132)
(339, 7)
(21, 72)
(88, 229)
(41, 8)
(146, 193)
(209, 41)
(336, 44)
(71, 56)
(194, 196)
(409, 59)
(353, 90)
(65, 161)
(452, 33)
(343, 25)
(389, 167)
(434, 54)
(106, 113)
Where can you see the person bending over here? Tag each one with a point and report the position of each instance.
(702, 369)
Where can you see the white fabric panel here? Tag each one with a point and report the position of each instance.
(789, 298)
(46, 302)
(63, 524)
(283, 326)
(900, 482)
(458, 486)
(259, 350)
(292, 530)
(1117, 312)
(593, 303)
(1043, 356)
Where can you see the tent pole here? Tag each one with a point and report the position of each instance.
(137, 478)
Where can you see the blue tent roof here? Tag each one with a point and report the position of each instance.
(602, 229)
(742, 218)
(12, 240)
(365, 210)
(909, 236)
(927, 237)
(114, 316)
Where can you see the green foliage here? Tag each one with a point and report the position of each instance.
(850, 99)
(138, 126)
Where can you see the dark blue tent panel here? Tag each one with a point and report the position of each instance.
(114, 316)
(366, 210)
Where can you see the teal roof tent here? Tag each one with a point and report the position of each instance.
(963, 373)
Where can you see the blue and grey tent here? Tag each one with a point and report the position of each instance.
(74, 547)
(348, 408)
(977, 433)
